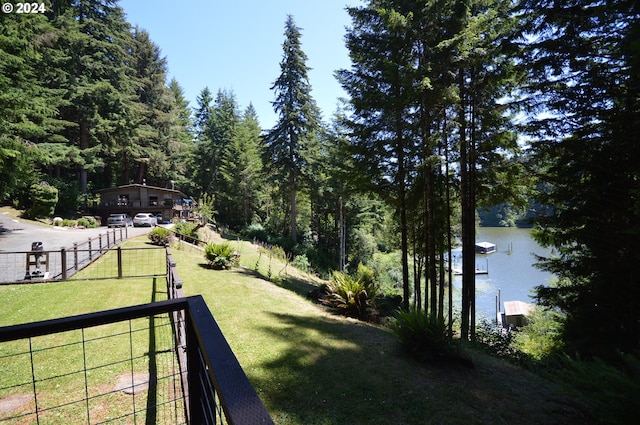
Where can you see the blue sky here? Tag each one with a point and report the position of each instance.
(237, 45)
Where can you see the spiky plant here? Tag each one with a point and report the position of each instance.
(220, 256)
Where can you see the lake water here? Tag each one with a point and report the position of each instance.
(511, 270)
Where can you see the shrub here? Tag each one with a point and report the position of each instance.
(612, 392)
(87, 222)
(160, 236)
(354, 295)
(425, 337)
(187, 228)
(221, 256)
(256, 231)
(43, 200)
(301, 262)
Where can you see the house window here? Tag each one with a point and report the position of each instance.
(123, 200)
(153, 201)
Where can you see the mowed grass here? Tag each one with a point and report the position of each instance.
(65, 393)
(310, 366)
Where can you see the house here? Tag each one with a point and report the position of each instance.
(485, 248)
(135, 198)
(515, 313)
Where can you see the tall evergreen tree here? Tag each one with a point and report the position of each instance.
(180, 147)
(289, 145)
(380, 84)
(584, 61)
(241, 170)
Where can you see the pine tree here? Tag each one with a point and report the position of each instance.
(584, 63)
(241, 170)
(289, 145)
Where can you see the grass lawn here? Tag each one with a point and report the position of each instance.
(308, 365)
(312, 367)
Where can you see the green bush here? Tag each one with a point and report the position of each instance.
(44, 198)
(612, 392)
(160, 236)
(301, 262)
(353, 295)
(426, 338)
(221, 256)
(87, 222)
(256, 231)
(187, 228)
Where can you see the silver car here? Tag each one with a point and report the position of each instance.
(119, 220)
(145, 219)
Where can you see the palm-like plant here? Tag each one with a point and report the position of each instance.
(220, 256)
(352, 294)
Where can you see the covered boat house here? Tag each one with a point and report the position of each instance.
(485, 248)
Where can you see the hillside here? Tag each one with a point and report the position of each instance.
(313, 367)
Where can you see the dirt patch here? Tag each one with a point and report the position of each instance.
(132, 384)
(14, 402)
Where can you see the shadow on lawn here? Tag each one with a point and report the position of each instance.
(337, 372)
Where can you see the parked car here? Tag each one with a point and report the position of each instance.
(119, 220)
(159, 218)
(145, 219)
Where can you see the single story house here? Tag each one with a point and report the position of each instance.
(516, 312)
(135, 198)
(485, 248)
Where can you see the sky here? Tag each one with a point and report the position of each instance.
(236, 45)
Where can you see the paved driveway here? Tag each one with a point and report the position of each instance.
(17, 236)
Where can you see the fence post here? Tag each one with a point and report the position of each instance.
(194, 366)
(100, 241)
(90, 252)
(63, 262)
(75, 256)
(114, 236)
(119, 261)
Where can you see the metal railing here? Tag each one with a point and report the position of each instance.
(216, 388)
(192, 375)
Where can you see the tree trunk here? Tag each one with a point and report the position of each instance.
(294, 210)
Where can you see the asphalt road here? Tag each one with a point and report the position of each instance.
(16, 237)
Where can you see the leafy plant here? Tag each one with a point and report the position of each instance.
(87, 222)
(426, 337)
(354, 295)
(301, 262)
(221, 256)
(160, 236)
(187, 228)
(44, 198)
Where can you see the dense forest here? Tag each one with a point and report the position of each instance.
(455, 107)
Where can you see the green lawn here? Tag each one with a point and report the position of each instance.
(308, 365)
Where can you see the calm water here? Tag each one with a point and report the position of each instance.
(511, 270)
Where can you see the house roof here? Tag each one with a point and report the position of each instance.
(517, 308)
(485, 244)
(129, 186)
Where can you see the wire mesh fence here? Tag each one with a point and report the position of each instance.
(106, 263)
(38, 265)
(125, 373)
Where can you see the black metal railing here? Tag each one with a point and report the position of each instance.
(216, 389)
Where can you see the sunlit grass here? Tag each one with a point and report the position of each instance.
(308, 365)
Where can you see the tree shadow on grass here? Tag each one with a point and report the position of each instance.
(341, 371)
(293, 284)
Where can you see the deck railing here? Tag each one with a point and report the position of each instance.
(216, 388)
(192, 375)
